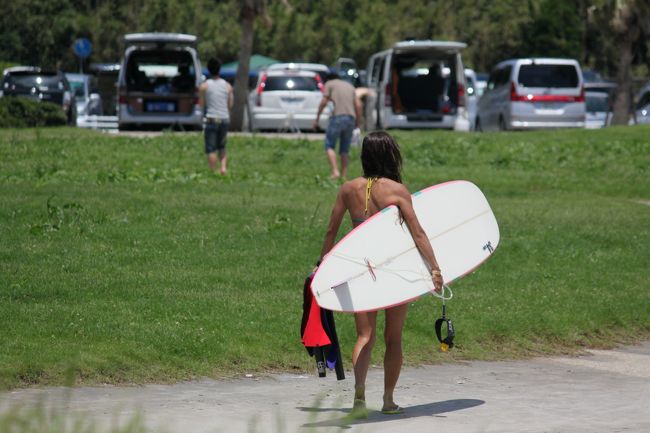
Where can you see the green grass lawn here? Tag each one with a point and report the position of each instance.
(124, 260)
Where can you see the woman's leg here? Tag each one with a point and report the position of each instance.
(395, 318)
(366, 324)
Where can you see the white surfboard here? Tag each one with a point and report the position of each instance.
(377, 265)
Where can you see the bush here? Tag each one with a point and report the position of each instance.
(16, 112)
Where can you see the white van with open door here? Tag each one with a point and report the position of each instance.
(158, 82)
(417, 84)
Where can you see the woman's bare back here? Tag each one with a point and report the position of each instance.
(355, 194)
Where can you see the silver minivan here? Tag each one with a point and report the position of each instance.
(158, 82)
(533, 93)
(417, 84)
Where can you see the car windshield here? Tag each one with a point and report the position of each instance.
(291, 83)
(29, 80)
(78, 88)
(597, 103)
(548, 76)
(160, 71)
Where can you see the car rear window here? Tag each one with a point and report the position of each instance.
(291, 83)
(29, 80)
(597, 103)
(548, 76)
(161, 71)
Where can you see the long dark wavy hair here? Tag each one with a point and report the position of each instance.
(381, 157)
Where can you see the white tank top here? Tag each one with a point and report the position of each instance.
(216, 99)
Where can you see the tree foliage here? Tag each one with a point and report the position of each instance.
(42, 32)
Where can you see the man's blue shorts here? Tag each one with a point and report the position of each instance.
(214, 135)
(339, 127)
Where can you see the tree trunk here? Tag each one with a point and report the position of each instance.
(240, 89)
(623, 102)
(627, 28)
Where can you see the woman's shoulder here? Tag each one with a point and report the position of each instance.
(353, 183)
(392, 185)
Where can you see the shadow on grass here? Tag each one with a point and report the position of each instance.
(429, 409)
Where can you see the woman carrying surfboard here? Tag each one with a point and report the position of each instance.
(379, 187)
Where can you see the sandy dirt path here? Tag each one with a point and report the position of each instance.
(601, 392)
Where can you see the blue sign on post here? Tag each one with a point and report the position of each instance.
(82, 48)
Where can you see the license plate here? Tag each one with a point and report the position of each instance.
(293, 101)
(549, 105)
(160, 107)
(549, 112)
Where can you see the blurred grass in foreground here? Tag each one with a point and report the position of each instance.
(123, 260)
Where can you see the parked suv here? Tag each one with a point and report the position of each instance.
(533, 93)
(158, 81)
(417, 84)
(35, 83)
(286, 99)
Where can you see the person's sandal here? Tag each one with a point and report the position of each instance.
(394, 411)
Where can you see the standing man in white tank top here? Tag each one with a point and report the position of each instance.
(216, 98)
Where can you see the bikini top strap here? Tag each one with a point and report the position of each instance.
(369, 183)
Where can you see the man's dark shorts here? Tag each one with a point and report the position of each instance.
(339, 127)
(214, 135)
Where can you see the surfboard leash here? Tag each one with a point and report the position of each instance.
(447, 342)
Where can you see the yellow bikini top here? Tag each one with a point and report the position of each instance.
(371, 180)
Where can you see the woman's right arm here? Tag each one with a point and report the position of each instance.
(402, 199)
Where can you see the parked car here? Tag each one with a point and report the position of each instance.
(642, 109)
(348, 71)
(533, 93)
(41, 85)
(591, 76)
(417, 84)
(472, 97)
(107, 75)
(481, 83)
(286, 99)
(89, 103)
(598, 100)
(158, 81)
